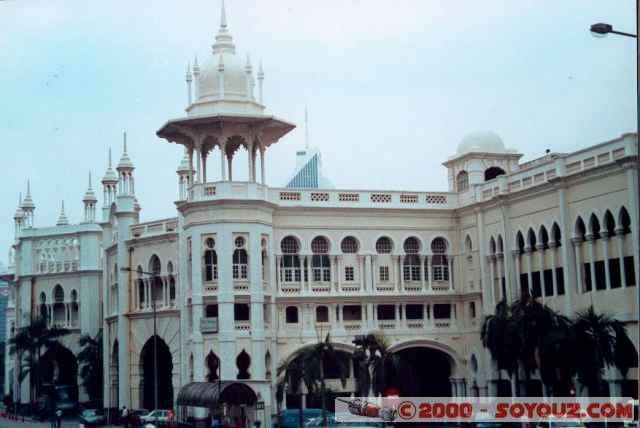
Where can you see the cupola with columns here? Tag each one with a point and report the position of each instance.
(125, 171)
(28, 207)
(223, 114)
(109, 182)
(18, 217)
(89, 200)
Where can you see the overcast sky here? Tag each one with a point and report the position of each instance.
(391, 87)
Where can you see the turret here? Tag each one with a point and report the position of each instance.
(89, 200)
(18, 217)
(196, 79)
(260, 82)
(62, 218)
(188, 79)
(125, 172)
(28, 207)
(185, 174)
(109, 182)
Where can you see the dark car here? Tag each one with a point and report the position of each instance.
(135, 415)
(92, 417)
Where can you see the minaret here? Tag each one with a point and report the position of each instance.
(260, 82)
(62, 219)
(184, 176)
(28, 207)
(109, 182)
(89, 201)
(196, 79)
(249, 70)
(18, 217)
(189, 79)
(125, 172)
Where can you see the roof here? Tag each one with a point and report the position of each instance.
(209, 394)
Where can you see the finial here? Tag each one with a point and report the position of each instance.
(260, 71)
(62, 220)
(28, 188)
(125, 142)
(19, 198)
(89, 180)
(196, 67)
(223, 16)
(109, 157)
(188, 73)
(221, 63)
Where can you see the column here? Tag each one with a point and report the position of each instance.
(422, 271)
(620, 243)
(528, 251)
(198, 165)
(223, 170)
(361, 261)
(592, 266)
(262, 173)
(429, 272)
(250, 163)
(339, 270)
(230, 166)
(605, 239)
(553, 247)
(567, 251)
(516, 258)
(450, 261)
(306, 274)
(372, 273)
(634, 211)
(577, 242)
(204, 165)
(501, 274)
(540, 248)
(492, 271)
(401, 270)
(397, 317)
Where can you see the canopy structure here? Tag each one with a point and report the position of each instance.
(210, 394)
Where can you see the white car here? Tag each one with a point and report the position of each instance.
(157, 416)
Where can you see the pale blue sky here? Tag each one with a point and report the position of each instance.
(392, 86)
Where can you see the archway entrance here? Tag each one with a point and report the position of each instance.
(422, 372)
(58, 371)
(164, 372)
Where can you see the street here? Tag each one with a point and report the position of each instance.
(69, 423)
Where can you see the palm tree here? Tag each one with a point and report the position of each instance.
(90, 359)
(499, 336)
(385, 362)
(308, 367)
(600, 340)
(29, 343)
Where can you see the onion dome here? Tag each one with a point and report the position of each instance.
(62, 219)
(482, 142)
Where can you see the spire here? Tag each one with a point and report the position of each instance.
(110, 176)
(28, 204)
(188, 75)
(223, 16)
(89, 196)
(62, 219)
(306, 128)
(19, 215)
(125, 162)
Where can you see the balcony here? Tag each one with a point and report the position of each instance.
(244, 325)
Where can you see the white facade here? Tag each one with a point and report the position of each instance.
(247, 270)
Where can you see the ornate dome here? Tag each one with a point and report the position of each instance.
(235, 78)
(482, 141)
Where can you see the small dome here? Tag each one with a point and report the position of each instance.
(483, 141)
(184, 165)
(235, 77)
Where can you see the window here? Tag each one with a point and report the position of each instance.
(586, 274)
(384, 274)
(352, 313)
(211, 311)
(411, 246)
(210, 265)
(349, 245)
(241, 312)
(349, 273)
(441, 311)
(240, 264)
(290, 267)
(493, 172)
(614, 271)
(291, 315)
(411, 268)
(548, 282)
(415, 312)
(536, 285)
(601, 277)
(462, 181)
(472, 309)
(322, 314)
(320, 263)
(439, 262)
(386, 312)
(383, 245)
(630, 271)
(560, 280)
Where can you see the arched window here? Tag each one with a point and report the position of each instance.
(74, 308)
(624, 221)
(493, 172)
(411, 264)
(580, 229)
(243, 362)
(384, 245)
(531, 239)
(556, 235)
(210, 260)
(462, 181)
(439, 262)
(320, 263)
(349, 245)
(544, 237)
(492, 246)
(594, 226)
(172, 289)
(290, 264)
(468, 245)
(291, 315)
(44, 313)
(240, 259)
(609, 223)
(155, 266)
(59, 314)
(322, 314)
(213, 367)
(520, 242)
(500, 248)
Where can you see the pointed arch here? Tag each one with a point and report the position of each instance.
(594, 226)
(556, 235)
(580, 230)
(492, 246)
(531, 239)
(500, 244)
(468, 244)
(624, 221)
(520, 242)
(213, 367)
(243, 362)
(544, 237)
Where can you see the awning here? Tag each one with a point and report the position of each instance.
(210, 394)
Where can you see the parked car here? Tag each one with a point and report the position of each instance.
(289, 418)
(135, 415)
(157, 415)
(92, 417)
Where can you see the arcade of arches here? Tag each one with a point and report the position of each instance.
(58, 366)
(164, 369)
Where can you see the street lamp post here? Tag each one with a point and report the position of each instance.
(601, 30)
(155, 336)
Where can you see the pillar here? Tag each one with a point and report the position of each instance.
(605, 240)
(543, 283)
(518, 282)
(554, 266)
(620, 243)
(577, 243)
(262, 172)
(592, 267)
(223, 170)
